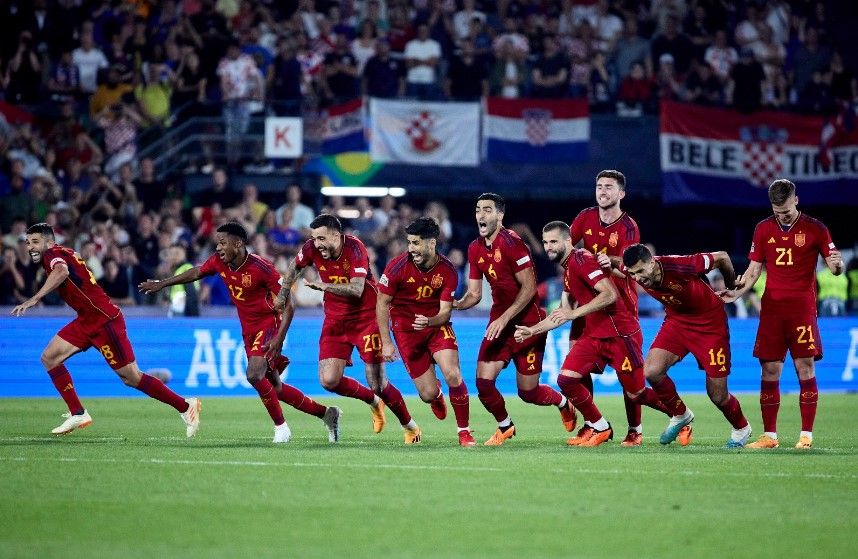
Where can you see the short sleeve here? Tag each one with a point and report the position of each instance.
(360, 261)
(451, 283)
(826, 245)
(209, 267)
(387, 281)
(695, 263)
(591, 271)
(272, 279)
(756, 252)
(54, 257)
(305, 255)
(474, 272)
(520, 256)
(576, 230)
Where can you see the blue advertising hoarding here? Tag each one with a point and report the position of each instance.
(205, 357)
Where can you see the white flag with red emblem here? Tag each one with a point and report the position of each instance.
(421, 133)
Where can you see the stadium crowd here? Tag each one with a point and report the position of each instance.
(82, 79)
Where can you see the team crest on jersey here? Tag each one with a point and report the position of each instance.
(346, 265)
(799, 239)
(613, 239)
(245, 280)
(437, 280)
(497, 255)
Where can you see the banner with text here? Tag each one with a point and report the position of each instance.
(719, 156)
(420, 133)
(205, 357)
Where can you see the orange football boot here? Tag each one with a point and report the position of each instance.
(568, 416)
(378, 419)
(499, 436)
(599, 437)
(583, 434)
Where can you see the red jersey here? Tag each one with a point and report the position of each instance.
(601, 238)
(252, 287)
(416, 291)
(683, 291)
(579, 280)
(353, 262)
(789, 255)
(80, 290)
(499, 262)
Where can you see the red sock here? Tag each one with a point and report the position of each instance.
(295, 398)
(807, 399)
(650, 399)
(63, 383)
(350, 388)
(492, 399)
(580, 397)
(733, 412)
(668, 395)
(633, 410)
(542, 395)
(156, 389)
(393, 398)
(461, 404)
(770, 403)
(269, 400)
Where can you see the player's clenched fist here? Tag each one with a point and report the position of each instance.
(388, 352)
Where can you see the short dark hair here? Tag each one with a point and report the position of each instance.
(235, 229)
(500, 205)
(556, 226)
(424, 227)
(613, 174)
(327, 220)
(636, 253)
(780, 191)
(41, 229)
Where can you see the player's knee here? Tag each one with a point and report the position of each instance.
(129, 378)
(427, 394)
(528, 396)
(255, 374)
(329, 383)
(635, 397)
(48, 360)
(653, 374)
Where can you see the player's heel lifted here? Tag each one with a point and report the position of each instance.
(191, 416)
(73, 422)
(675, 426)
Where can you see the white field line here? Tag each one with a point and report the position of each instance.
(259, 463)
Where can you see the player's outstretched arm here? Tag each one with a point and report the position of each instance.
(382, 316)
(743, 283)
(57, 276)
(834, 261)
(154, 285)
(353, 289)
(725, 266)
(472, 296)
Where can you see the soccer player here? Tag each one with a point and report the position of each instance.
(787, 243)
(253, 283)
(350, 298)
(415, 300)
(607, 229)
(504, 260)
(695, 322)
(611, 335)
(98, 323)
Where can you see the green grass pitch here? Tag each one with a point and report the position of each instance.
(131, 485)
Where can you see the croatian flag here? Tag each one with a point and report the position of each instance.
(343, 128)
(537, 130)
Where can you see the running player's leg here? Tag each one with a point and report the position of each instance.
(448, 362)
(53, 358)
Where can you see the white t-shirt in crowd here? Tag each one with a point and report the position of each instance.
(239, 76)
(422, 50)
(88, 63)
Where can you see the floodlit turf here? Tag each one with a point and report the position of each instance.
(132, 486)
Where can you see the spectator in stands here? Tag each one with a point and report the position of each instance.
(463, 18)
(12, 283)
(467, 79)
(748, 30)
(607, 26)
(282, 239)
(844, 87)
(145, 244)
(184, 299)
(816, 96)
(599, 85)
(550, 74)
(636, 92)
(150, 190)
(286, 92)
(811, 57)
(120, 122)
(508, 73)
(631, 48)
(668, 84)
(721, 56)
(250, 210)
(702, 87)
(698, 29)
(64, 80)
(109, 93)
(674, 43)
(89, 60)
(153, 95)
(24, 73)
(422, 56)
(383, 75)
(115, 283)
(133, 272)
(17, 204)
(189, 92)
(341, 78)
(745, 89)
(301, 215)
(364, 46)
(238, 77)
